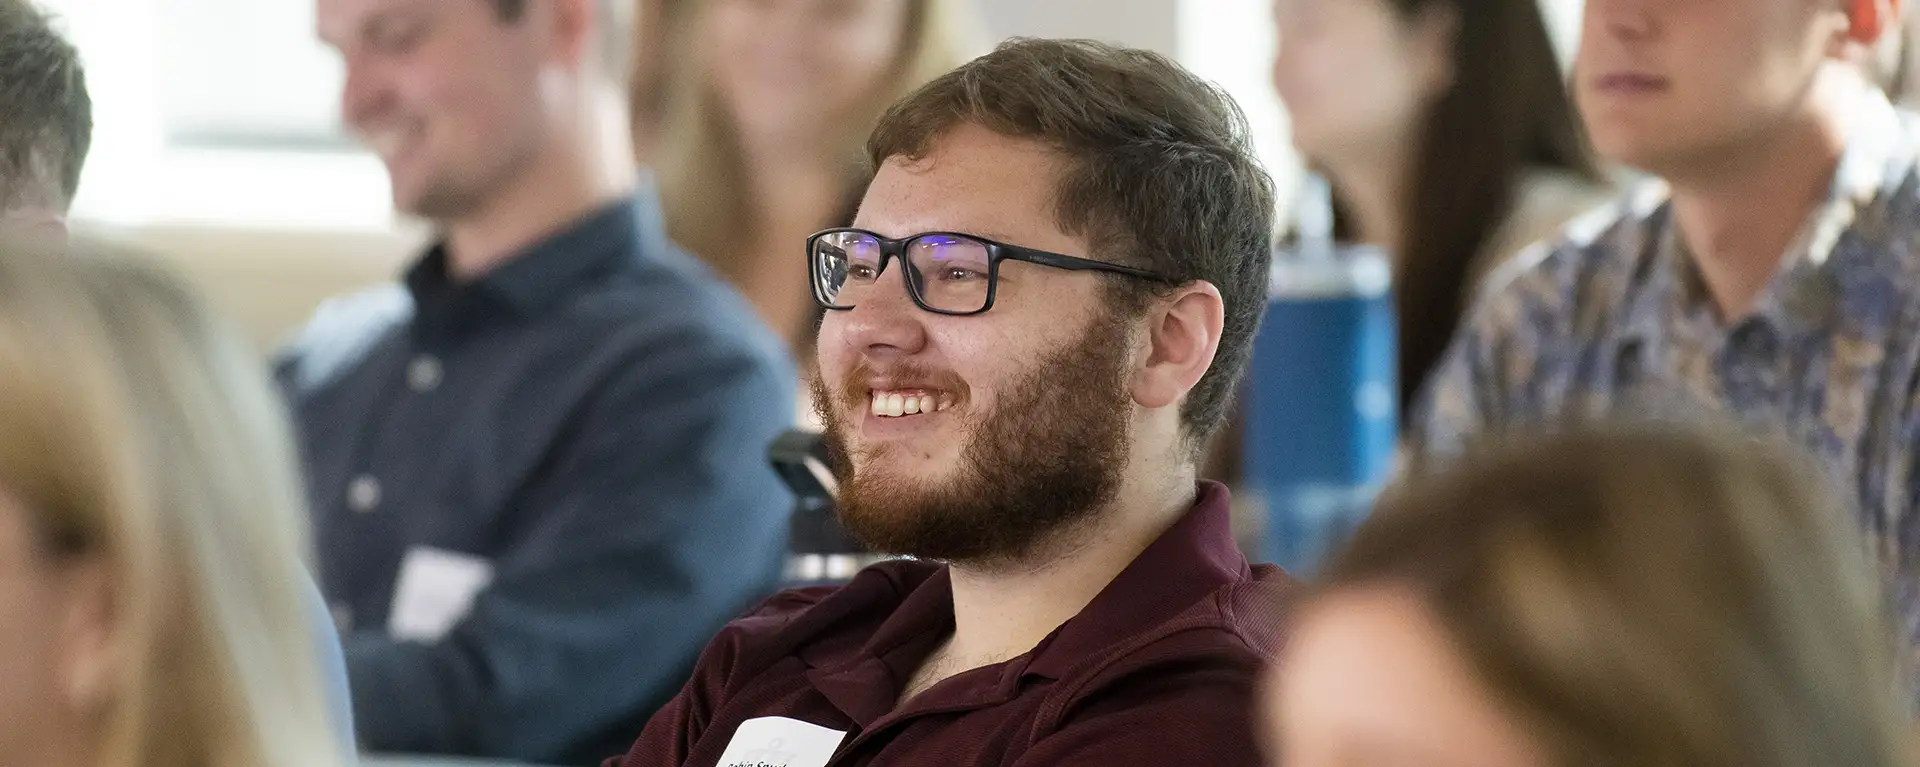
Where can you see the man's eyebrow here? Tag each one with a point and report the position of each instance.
(984, 232)
(373, 22)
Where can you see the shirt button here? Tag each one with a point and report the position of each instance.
(424, 373)
(363, 494)
(1754, 340)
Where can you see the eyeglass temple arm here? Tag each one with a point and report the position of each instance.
(1073, 263)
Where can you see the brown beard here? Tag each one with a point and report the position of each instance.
(1049, 456)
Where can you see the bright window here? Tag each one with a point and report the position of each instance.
(1231, 43)
(217, 111)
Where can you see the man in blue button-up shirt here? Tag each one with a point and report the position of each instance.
(538, 466)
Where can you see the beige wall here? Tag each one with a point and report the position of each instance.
(1145, 23)
(270, 280)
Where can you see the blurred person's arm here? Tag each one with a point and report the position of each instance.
(659, 521)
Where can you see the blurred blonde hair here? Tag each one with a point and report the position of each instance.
(1648, 597)
(693, 147)
(145, 433)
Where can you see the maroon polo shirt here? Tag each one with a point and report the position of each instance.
(1159, 669)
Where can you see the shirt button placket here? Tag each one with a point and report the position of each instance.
(363, 494)
(425, 373)
(1749, 365)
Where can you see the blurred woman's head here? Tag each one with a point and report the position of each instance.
(740, 84)
(1432, 110)
(1359, 77)
(797, 72)
(151, 532)
(1626, 598)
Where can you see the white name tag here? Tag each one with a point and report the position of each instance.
(434, 591)
(776, 741)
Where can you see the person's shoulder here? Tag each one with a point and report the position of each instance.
(1236, 626)
(1586, 260)
(666, 296)
(1544, 202)
(1893, 216)
(341, 332)
(1217, 646)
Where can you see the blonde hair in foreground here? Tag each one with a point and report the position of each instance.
(134, 425)
(1651, 598)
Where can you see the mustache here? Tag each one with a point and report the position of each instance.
(855, 390)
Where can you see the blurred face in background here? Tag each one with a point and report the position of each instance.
(1370, 680)
(51, 655)
(449, 95)
(1669, 85)
(1016, 421)
(793, 70)
(1357, 76)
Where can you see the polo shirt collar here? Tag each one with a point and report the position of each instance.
(1195, 557)
(1192, 559)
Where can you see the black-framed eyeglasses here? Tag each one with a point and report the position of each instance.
(947, 272)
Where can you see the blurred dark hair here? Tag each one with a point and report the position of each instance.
(1642, 596)
(1506, 110)
(46, 116)
(1160, 173)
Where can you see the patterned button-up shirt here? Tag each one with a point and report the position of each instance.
(1613, 320)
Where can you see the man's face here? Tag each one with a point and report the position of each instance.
(1031, 407)
(447, 93)
(1668, 84)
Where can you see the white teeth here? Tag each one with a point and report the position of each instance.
(909, 404)
(898, 405)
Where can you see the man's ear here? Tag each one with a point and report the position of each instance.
(572, 25)
(1183, 335)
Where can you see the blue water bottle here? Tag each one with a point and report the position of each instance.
(1321, 420)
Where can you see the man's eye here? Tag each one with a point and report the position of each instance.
(960, 274)
(397, 37)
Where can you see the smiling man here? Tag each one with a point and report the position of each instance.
(1050, 292)
(538, 467)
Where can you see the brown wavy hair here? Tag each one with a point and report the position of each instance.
(1160, 173)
